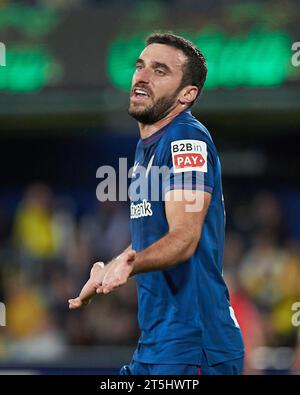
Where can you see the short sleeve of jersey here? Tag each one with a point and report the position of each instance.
(191, 160)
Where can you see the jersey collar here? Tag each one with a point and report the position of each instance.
(155, 136)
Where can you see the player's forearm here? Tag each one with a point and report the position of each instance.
(176, 246)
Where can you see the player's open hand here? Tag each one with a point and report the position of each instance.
(118, 272)
(90, 287)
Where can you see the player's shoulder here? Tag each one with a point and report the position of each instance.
(187, 127)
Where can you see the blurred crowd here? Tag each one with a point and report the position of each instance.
(262, 271)
(46, 252)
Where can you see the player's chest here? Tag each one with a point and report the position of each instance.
(145, 159)
(146, 177)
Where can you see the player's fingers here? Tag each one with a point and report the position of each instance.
(104, 285)
(72, 307)
(74, 303)
(107, 288)
(99, 290)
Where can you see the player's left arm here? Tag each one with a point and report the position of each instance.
(185, 217)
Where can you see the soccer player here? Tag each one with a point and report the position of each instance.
(186, 321)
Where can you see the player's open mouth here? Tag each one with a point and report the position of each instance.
(140, 94)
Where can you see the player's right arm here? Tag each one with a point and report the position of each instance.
(97, 274)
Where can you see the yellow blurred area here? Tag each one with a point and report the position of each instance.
(25, 312)
(33, 228)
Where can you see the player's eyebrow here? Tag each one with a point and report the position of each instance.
(139, 61)
(161, 66)
(155, 64)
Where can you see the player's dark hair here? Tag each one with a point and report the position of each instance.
(195, 69)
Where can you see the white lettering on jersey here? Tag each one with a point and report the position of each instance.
(141, 210)
(189, 155)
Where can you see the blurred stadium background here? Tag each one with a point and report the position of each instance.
(63, 102)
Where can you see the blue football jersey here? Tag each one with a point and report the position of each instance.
(183, 311)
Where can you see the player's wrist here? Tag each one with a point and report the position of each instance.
(134, 266)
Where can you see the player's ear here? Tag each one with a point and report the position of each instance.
(188, 94)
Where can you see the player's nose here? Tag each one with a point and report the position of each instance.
(142, 76)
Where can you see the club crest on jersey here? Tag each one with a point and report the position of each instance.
(189, 155)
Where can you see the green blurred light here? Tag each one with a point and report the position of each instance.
(33, 21)
(121, 60)
(27, 69)
(257, 59)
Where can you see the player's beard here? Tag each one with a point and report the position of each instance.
(160, 109)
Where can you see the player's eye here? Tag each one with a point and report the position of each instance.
(159, 72)
(138, 67)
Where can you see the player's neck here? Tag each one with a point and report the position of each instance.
(147, 130)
